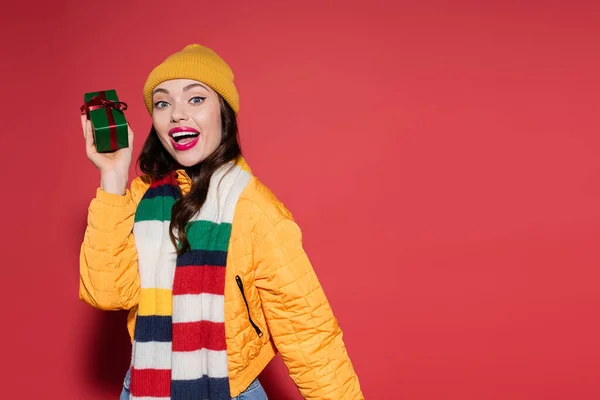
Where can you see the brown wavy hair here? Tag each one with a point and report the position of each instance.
(156, 162)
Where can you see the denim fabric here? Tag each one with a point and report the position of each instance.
(254, 392)
(125, 391)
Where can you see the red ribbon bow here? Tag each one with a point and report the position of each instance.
(96, 102)
(100, 101)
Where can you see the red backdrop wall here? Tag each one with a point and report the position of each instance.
(440, 157)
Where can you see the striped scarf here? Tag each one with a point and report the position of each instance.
(179, 349)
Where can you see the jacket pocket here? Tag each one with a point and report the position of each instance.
(240, 284)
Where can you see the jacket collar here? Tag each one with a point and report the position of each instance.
(185, 182)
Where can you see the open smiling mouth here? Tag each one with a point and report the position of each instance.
(183, 137)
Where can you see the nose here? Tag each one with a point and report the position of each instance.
(178, 114)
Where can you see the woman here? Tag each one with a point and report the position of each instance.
(208, 261)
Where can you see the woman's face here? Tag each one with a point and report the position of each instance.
(187, 117)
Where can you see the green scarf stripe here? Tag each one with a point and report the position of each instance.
(202, 235)
(155, 209)
(209, 236)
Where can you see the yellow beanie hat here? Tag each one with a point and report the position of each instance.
(200, 64)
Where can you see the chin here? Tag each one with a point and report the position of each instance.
(188, 160)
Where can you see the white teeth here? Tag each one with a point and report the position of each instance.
(178, 134)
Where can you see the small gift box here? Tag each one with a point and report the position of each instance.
(108, 121)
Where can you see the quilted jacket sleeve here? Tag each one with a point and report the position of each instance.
(108, 271)
(300, 318)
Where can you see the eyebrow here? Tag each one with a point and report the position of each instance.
(185, 89)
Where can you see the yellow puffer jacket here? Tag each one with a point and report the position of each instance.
(285, 299)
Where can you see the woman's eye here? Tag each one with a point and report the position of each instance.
(160, 104)
(197, 99)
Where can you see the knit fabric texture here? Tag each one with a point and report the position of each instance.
(198, 63)
(179, 349)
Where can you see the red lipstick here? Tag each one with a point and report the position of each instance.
(184, 138)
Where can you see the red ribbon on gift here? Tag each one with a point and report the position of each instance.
(100, 101)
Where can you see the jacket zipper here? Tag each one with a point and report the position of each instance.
(241, 286)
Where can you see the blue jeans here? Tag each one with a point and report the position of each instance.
(254, 392)
(125, 392)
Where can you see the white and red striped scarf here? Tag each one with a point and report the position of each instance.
(179, 349)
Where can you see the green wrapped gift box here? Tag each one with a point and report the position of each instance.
(105, 111)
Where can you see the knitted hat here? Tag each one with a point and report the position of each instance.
(200, 64)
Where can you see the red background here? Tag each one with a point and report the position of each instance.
(440, 157)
